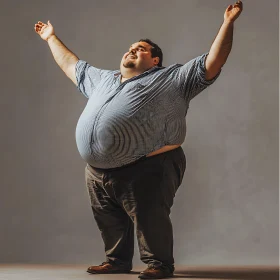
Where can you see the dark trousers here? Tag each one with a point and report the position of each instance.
(141, 195)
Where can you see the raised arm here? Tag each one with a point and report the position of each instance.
(65, 59)
(222, 44)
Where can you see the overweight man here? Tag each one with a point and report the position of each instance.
(130, 135)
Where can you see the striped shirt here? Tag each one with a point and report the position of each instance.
(123, 122)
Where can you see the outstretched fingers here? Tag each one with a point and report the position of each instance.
(40, 26)
(230, 7)
(239, 4)
(37, 28)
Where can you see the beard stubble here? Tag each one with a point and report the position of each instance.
(129, 64)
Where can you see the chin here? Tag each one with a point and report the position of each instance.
(129, 64)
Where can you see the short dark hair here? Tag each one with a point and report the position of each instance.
(155, 50)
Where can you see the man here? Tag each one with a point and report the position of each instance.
(130, 134)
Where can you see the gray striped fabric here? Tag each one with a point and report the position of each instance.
(124, 121)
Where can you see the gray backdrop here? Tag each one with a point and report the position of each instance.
(226, 210)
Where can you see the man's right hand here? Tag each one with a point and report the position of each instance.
(65, 59)
(44, 30)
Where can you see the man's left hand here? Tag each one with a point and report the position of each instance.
(233, 11)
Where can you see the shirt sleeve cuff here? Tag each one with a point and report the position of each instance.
(80, 73)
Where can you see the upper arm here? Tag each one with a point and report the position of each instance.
(191, 78)
(71, 71)
(211, 69)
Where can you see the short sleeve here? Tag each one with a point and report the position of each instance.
(87, 77)
(190, 77)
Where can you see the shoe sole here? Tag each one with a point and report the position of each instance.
(109, 272)
(143, 276)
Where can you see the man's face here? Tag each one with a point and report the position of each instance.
(139, 57)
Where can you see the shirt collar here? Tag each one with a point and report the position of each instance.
(147, 71)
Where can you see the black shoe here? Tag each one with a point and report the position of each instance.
(156, 273)
(107, 268)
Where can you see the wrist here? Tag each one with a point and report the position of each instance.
(228, 22)
(50, 38)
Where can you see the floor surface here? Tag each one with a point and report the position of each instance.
(68, 272)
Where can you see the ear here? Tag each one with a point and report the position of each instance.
(156, 60)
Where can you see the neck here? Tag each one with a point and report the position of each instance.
(129, 73)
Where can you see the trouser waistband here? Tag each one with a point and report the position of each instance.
(135, 162)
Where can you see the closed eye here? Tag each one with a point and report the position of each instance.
(140, 48)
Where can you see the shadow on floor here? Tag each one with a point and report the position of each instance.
(246, 274)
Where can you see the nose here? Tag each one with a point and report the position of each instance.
(133, 51)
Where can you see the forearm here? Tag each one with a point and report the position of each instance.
(62, 55)
(222, 45)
